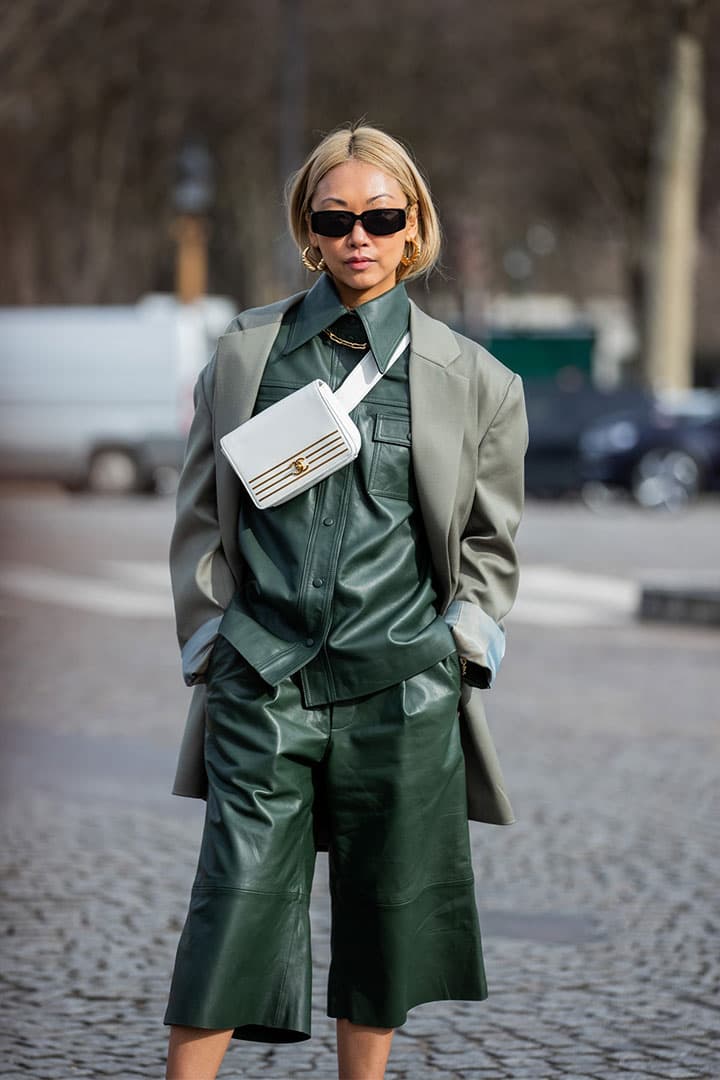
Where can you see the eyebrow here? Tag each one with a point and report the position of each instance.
(341, 202)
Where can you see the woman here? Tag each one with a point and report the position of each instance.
(332, 638)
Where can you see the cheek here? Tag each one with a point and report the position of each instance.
(396, 249)
(330, 247)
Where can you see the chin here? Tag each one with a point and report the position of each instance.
(360, 282)
(360, 279)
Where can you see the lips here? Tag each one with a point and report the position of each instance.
(358, 264)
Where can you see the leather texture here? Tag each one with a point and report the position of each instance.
(469, 440)
(387, 773)
(338, 581)
(303, 437)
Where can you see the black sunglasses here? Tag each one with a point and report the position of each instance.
(342, 222)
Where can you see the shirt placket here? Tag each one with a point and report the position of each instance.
(316, 599)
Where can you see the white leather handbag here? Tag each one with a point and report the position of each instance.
(304, 437)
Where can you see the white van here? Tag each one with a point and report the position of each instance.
(101, 397)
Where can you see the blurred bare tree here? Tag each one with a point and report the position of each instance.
(96, 99)
(520, 113)
(673, 209)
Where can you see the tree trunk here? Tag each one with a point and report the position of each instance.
(673, 212)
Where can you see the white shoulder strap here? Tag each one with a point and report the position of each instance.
(364, 376)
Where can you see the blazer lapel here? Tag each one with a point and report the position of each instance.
(438, 400)
(241, 359)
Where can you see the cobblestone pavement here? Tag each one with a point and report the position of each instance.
(599, 907)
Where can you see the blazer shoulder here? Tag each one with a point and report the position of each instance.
(488, 367)
(439, 343)
(256, 317)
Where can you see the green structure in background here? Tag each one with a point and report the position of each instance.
(544, 354)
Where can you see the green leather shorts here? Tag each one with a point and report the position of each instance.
(387, 771)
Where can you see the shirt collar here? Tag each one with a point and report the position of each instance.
(385, 318)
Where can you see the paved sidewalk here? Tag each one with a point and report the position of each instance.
(599, 907)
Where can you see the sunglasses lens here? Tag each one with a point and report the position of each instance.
(383, 222)
(341, 222)
(332, 222)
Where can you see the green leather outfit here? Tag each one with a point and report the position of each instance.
(332, 702)
(389, 770)
(339, 582)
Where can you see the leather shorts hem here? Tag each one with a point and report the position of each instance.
(250, 1032)
(371, 1019)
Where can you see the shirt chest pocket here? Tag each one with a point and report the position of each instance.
(391, 467)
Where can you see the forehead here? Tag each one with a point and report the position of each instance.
(356, 183)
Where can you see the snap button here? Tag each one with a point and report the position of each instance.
(328, 521)
(317, 582)
(309, 641)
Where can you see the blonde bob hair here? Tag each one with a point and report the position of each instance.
(368, 144)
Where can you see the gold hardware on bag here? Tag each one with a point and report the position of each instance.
(289, 471)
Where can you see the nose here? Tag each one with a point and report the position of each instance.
(357, 234)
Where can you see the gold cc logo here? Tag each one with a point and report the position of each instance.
(300, 465)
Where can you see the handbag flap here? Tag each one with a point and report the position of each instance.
(284, 447)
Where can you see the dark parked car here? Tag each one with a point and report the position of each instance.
(664, 456)
(558, 413)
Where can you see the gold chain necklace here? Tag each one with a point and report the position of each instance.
(341, 341)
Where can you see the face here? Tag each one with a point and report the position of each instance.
(362, 266)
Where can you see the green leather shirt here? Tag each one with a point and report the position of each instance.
(338, 583)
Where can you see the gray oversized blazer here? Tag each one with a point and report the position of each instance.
(469, 440)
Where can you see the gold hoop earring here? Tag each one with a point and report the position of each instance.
(412, 258)
(315, 266)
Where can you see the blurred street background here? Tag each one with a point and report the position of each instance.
(573, 149)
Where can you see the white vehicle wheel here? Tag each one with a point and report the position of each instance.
(113, 472)
(666, 479)
(165, 480)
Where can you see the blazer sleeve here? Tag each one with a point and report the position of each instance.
(202, 581)
(489, 575)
